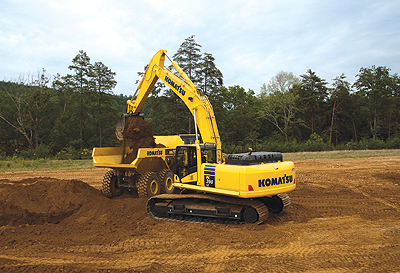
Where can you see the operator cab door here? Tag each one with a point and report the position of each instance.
(186, 164)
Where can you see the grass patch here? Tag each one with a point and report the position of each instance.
(340, 154)
(19, 165)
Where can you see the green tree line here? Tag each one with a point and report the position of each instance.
(65, 116)
(68, 115)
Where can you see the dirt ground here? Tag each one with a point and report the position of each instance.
(345, 217)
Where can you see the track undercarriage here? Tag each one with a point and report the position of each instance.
(215, 208)
(194, 207)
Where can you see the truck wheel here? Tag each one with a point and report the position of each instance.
(149, 185)
(109, 187)
(167, 181)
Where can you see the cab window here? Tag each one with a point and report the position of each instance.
(186, 161)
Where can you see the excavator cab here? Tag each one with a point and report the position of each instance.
(186, 160)
(189, 159)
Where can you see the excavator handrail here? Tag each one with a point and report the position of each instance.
(181, 84)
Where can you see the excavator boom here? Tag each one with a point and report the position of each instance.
(197, 103)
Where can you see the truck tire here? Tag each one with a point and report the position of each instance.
(149, 185)
(109, 186)
(167, 181)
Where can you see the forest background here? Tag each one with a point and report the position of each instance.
(65, 116)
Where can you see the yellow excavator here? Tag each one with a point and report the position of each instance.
(195, 182)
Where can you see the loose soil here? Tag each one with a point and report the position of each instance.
(139, 134)
(345, 217)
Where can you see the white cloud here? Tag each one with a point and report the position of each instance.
(250, 40)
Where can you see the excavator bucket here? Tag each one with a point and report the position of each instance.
(120, 127)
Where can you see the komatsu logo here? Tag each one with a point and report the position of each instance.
(275, 181)
(158, 152)
(175, 85)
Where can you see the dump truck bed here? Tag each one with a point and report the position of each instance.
(108, 156)
(148, 159)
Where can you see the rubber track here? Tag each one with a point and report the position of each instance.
(260, 207)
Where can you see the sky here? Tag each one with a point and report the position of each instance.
(251, 40)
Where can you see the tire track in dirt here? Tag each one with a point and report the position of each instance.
(302, 254)
(305, 247)
(376, 199)
(283, 259)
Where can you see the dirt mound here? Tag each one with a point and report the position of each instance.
(139, 134)
(38, 201)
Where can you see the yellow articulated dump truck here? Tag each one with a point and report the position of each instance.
(188, 177)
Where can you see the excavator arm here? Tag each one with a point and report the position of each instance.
(195, 100)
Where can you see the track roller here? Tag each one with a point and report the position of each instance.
(250, 215)
(277, 203)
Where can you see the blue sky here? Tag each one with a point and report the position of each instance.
(250, 40)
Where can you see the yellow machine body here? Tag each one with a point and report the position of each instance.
(244, 181)
(251, 181)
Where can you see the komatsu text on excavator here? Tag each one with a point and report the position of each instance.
(188, 178)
